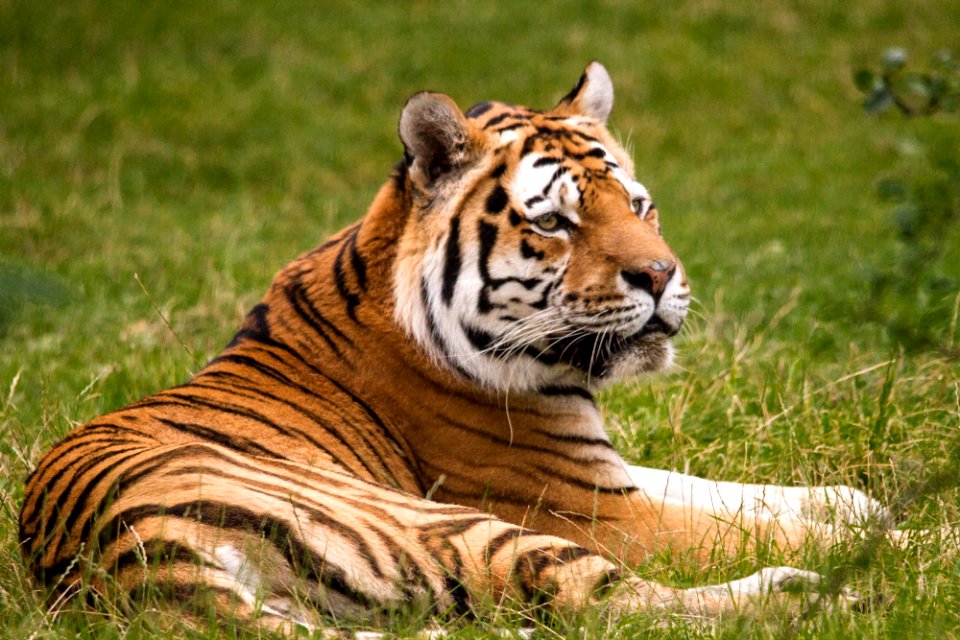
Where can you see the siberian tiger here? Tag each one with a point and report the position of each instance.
(408, 415)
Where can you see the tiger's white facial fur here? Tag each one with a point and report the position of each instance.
(548, 269)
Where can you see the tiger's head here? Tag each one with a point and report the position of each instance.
(532, 258)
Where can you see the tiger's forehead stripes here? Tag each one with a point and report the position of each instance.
(546, 184)
(560, 167)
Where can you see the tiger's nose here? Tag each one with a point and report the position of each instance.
(652, 278)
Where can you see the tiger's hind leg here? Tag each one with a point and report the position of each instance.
(289, 541)
(296, 546)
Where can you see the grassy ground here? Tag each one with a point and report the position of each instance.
(159, 162)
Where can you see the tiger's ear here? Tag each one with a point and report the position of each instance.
(593, 95)
(435, 135)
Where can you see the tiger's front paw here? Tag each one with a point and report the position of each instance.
(783, 589)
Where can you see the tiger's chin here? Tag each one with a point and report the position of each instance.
(650, 354)
(600, 362)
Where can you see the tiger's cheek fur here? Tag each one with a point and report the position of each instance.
(462, 283)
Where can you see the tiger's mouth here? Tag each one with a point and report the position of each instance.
(596, 354)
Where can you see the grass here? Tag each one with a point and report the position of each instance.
(159, 162)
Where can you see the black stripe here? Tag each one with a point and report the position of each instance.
(497, 497)
(83, 433)
(290, 474)
(545, 295)
(480, 339)
(546, 161)
(435, 336)
(529, 252)
(357, 261)
(451, 264)
(576, 89)
(606, 582)
(532, 140)
(340, 277)
(332, 242)
(499, 541)
(521, 446)
(497, 120)
(596, 152)
(303, 296)
(237, 443)
(542, 557)
(478, 109)
(574, 439)
(571, 554)
(589, 485)
(553, 390)
(556, 176)
(575, 133)
(488, 238)
(454, 587)
(529, 202)
(300, 302)
(325, 515)
(451, 527)
(136, 472)
(204, 453)
(255, 326)
(399, 176)
(497, 200)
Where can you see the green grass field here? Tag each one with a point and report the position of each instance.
(159, 162)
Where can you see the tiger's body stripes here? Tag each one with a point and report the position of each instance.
(408, 415)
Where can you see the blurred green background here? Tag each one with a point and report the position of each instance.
(159, 161)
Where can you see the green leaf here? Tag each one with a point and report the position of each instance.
(891, 189)
(879, 100)
(946, 60)
(918, 84)
(907, 218)
(864, 80)
(894, 58)
(938, 86)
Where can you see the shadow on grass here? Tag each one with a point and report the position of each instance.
(22, 287)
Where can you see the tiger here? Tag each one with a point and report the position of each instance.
(408, 417)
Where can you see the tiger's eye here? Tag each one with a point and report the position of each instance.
(637, 205)
(548, 221)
